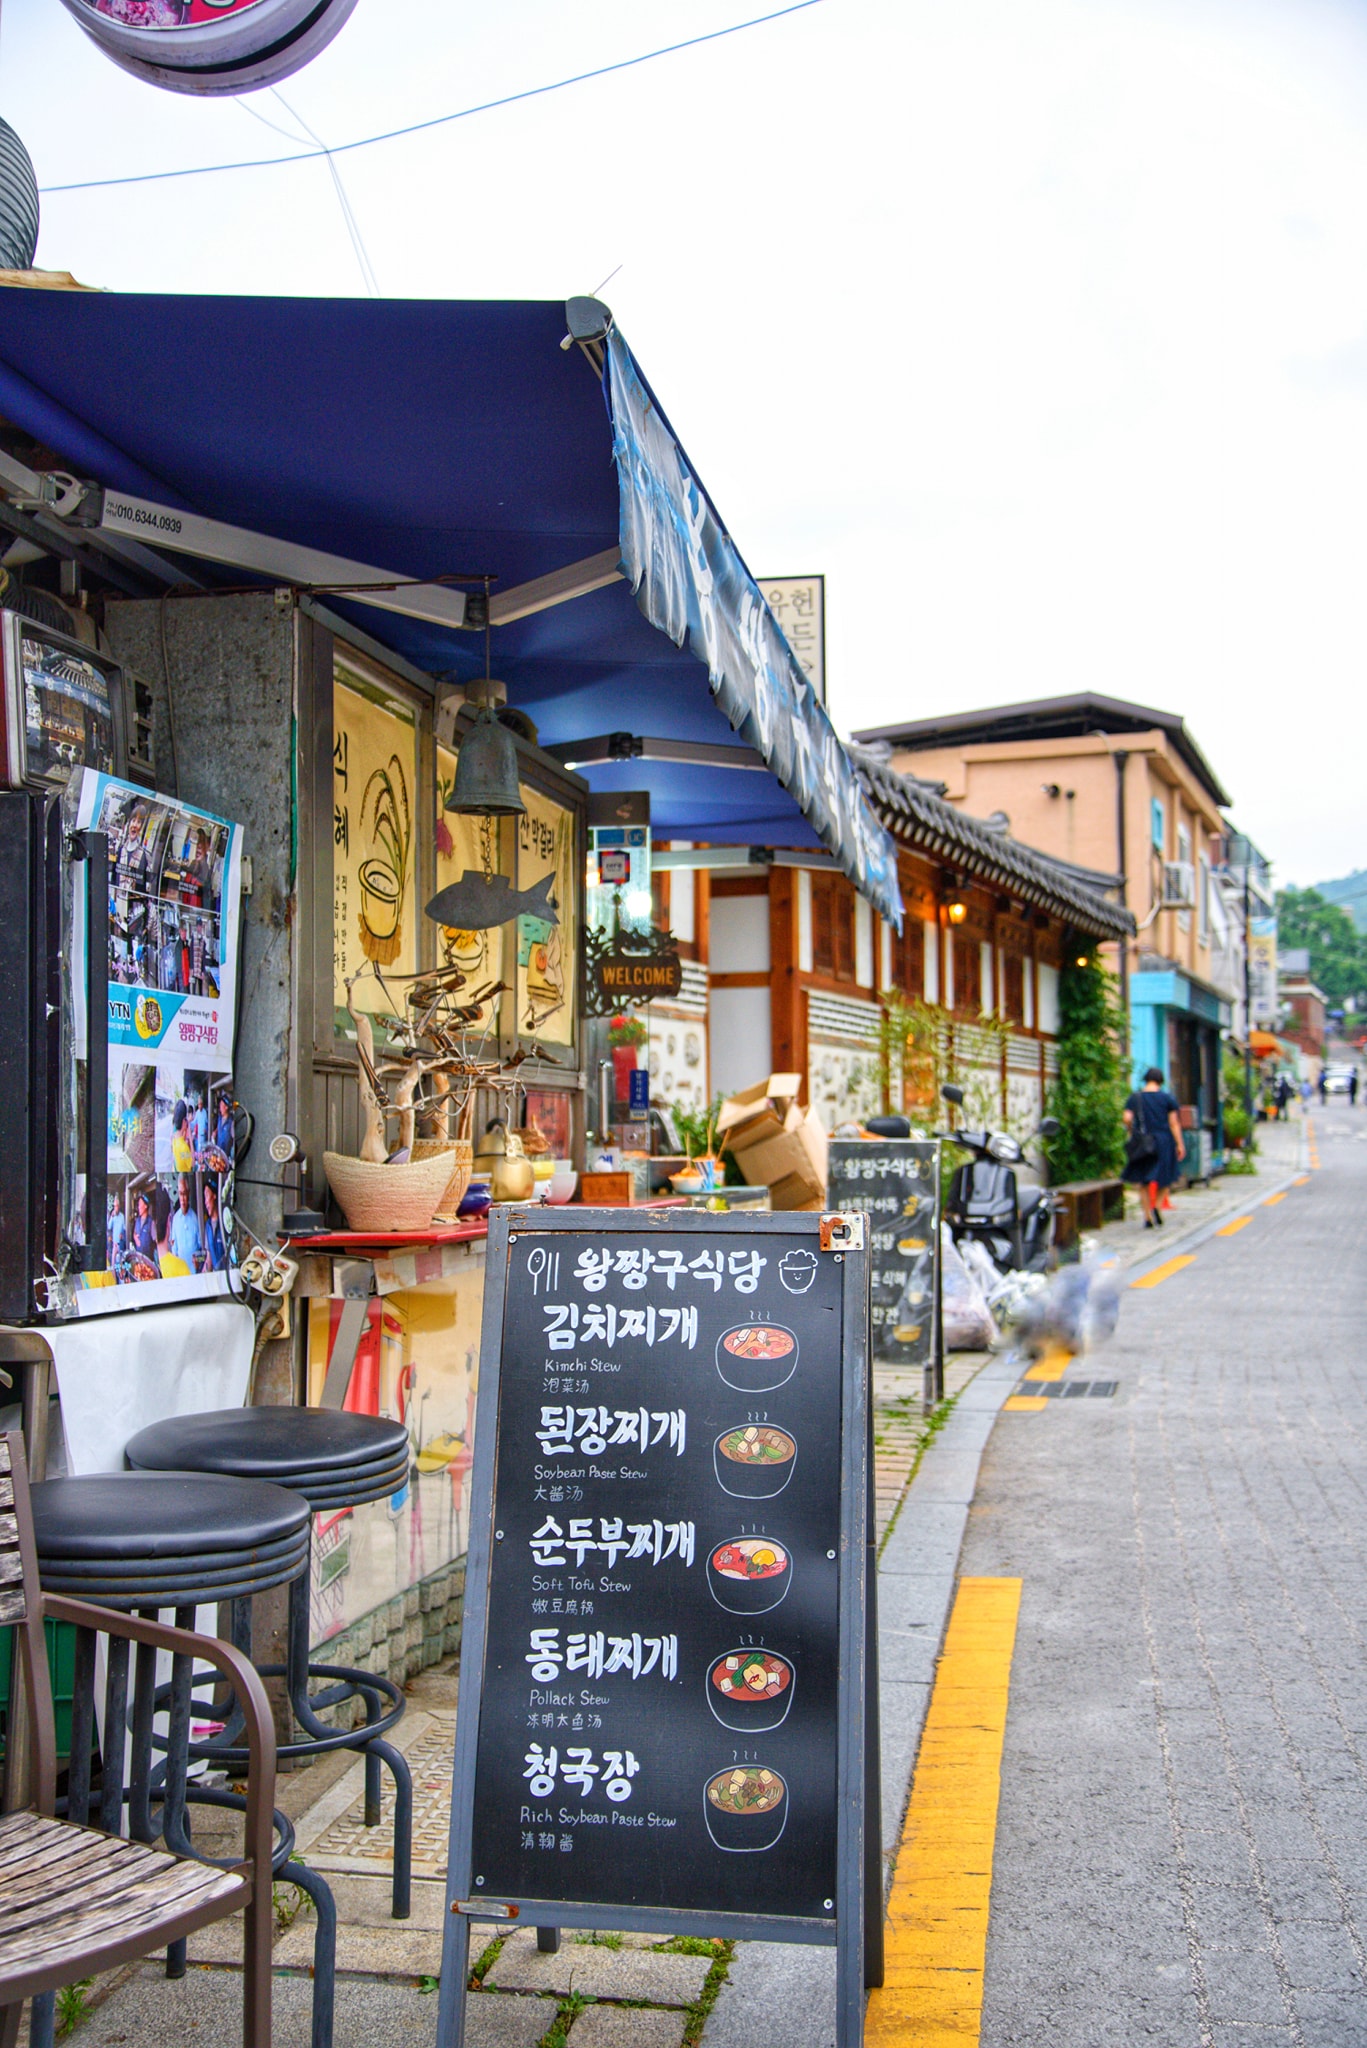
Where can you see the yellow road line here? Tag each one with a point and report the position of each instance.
(942, 1891)
(1280, 1196)
(1229, 1229)
(1052, 1366)
(1165, 1272)
(1019, 1403)
(1301, 1181)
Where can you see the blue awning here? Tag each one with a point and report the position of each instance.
(460, 439)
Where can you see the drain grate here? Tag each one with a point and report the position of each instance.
(1070, 1390)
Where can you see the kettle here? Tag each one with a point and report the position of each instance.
(509, 1170)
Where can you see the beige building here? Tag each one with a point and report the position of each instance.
(1125, 792)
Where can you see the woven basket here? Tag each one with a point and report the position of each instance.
(384, 1198)
(461, 1154)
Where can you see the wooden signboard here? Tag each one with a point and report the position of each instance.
(895, 1182)
(662, 1723)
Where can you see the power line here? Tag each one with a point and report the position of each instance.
(440, 120)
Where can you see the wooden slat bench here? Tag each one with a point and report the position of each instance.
(1087, 1205)
(75, 1900)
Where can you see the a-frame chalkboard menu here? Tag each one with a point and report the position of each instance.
(662, 1711)
(895, 1182)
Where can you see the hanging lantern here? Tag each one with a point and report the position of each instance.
(18, 203)
(486, 784)
(211, 46)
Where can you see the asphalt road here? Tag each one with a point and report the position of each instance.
(1181, 1850)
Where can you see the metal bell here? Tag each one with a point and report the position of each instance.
(486, 783)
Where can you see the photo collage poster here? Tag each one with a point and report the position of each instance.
(175, 877)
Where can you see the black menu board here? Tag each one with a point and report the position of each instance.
(895, 1182)
(665, 1588)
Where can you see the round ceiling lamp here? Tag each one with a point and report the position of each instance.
(18, 203)
(211, 46)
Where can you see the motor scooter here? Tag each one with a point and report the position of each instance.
(986, 1204)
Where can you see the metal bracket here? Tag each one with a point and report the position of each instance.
(485, 1909)
(843, 1233)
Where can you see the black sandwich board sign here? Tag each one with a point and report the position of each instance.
(662, 1715)
(895, 1182)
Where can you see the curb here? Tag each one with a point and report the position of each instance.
(917, 1575)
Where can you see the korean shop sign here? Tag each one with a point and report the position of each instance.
(665, 1621)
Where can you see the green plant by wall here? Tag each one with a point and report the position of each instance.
(1089, 1094)
(1238, 1124)
(921, 1046)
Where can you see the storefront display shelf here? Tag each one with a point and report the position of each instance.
(356, 1243)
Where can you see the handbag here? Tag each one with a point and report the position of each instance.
(1141, 1148)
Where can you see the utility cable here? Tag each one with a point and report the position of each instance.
(441, 120)
(353, 226)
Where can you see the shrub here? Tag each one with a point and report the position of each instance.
(1089, 1094)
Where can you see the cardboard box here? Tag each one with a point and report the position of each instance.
(775, 1143)
(607, 1190)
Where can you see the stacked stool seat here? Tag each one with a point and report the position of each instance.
(167, 1539)
(147, 1541)
(335, 1460)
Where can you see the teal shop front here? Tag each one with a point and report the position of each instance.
(1176, 1023)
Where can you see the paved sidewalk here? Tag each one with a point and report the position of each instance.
(1181, 1850)
(643, 1995)
(1282, 1151)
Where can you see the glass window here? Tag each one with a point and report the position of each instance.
(1158, 824)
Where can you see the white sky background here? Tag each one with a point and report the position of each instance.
(1040, 328)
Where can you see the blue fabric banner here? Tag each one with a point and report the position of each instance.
(691, 583)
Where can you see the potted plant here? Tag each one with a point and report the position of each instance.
(624, 1035)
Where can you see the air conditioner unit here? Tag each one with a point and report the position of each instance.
(1179, 885)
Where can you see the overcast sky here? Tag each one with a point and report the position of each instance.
(1040, 328)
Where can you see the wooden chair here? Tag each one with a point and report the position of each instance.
(76, 1899)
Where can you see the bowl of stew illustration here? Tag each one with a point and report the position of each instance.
(750, 1690)
(749, 1574)
(746, 1808)
(754, 1461)
(754, 1358)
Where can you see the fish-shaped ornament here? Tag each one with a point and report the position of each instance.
(476, 902)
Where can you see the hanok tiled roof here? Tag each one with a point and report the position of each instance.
(918, 816)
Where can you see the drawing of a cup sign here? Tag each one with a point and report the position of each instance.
(749, 1575)
(756, 1357)
(754, 1461)
(797, 1270)
(746, 1809)
(750, 1690)
(387, 827)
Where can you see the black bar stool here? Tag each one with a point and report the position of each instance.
(147, 1541)
(336, 1460)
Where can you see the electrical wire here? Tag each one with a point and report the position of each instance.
(353, 226)
(440, 120)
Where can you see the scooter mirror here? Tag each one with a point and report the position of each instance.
(888, 1126)
(1050, 1128)
(952, 1093)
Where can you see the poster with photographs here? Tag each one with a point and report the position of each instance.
(174, 911)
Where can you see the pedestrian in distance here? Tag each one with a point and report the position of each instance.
(1284, 1093)
(1154, 1146)
(1323, 1086)
(1352, 1088)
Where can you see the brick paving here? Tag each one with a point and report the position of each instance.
(1181, 1850)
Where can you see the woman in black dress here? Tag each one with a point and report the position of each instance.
(1153, 1143)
